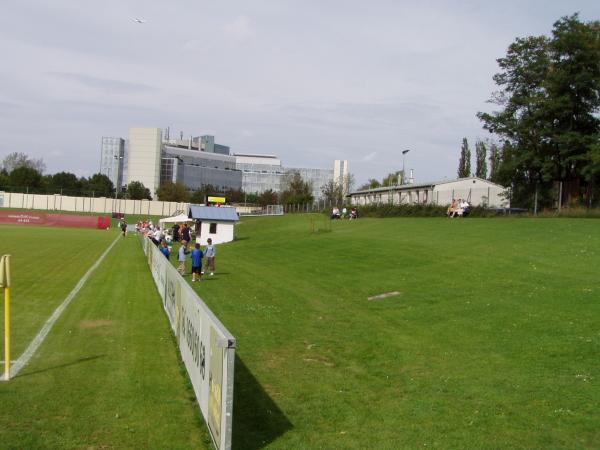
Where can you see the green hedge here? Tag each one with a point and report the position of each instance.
(415, 211)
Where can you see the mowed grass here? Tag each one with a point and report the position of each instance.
(493, 341)
(107, 375)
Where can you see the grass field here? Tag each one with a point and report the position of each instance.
(493, 341)
(107, 375)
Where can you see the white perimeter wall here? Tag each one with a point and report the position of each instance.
(99, 205)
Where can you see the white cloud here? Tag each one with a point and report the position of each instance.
(240, 29)
(328, 80)
(369, 156)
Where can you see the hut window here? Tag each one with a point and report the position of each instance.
(213, 228)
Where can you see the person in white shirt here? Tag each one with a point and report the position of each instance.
(210, 253)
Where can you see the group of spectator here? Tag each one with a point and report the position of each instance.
(196, 255)
(458, 208)
(335, 213)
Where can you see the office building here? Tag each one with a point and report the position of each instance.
(200, 161)
(112, 156)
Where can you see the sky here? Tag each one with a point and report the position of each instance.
(310, 81)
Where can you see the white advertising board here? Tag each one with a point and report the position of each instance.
(207, 348)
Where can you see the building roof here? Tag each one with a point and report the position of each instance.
(224, 214)
(408, 187)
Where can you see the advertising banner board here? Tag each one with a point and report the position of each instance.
(54, 220)
(207, 348)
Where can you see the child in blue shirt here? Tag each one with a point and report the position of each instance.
(197, 263)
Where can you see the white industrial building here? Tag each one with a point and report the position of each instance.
(477, 191)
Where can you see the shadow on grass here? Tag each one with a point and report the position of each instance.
(60, 366)
(257, 420)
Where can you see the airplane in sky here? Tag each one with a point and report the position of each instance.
(136, 20)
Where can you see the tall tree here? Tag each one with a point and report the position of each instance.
(480, 159)
(549, 106)
(392, 179)
(99, 185)
(65, 182)
(16, 159)
(25, 178)
(332, 193)
(464, 163)
(295, 190)
(172, 192)
(495, 158)
(268, 197)
(371, 184)
(137, 191)
(348, 183)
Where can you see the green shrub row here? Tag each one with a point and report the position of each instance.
(416, 211)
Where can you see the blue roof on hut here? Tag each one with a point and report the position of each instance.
(224, 214)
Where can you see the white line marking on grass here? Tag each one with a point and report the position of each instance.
(37, 341)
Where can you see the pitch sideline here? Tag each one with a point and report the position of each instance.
(39, 338)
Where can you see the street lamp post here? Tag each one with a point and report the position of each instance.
(404, 152)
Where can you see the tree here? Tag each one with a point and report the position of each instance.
(392, 179)
(348, 183)
(464, 163)
(234, 195)
(295, 189)
(199, 195)
(137, 191)
(495, 159)
(25, 178)
(172, 192)
(65, 182)
(332, 193)
(98, 185)
(4, 180)
(268, 197)
(549, 106)
(372, 183)
(481, 159)
(15, 160)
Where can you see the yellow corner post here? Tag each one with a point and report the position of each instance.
(5, 283)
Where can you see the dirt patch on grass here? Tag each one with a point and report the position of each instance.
(320, 360)
(95, 323)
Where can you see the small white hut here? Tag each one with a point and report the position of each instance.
(213, 222)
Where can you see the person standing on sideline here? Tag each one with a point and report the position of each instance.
(210, 253)
(164, 249)
(197, 263)
(185, 233)
(181, 257)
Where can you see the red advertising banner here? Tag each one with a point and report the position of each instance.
(54, 220)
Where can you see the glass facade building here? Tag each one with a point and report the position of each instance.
(195, 168)
(112, 158)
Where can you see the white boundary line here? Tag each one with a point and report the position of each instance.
(37, 341)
